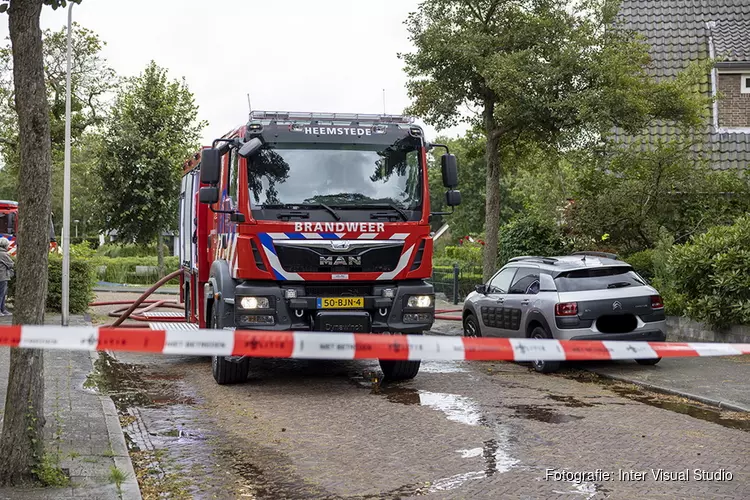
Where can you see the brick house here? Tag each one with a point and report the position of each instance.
(682, 31)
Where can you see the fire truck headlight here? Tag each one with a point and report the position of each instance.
(421, 301)
(388, 293)
(254, 303)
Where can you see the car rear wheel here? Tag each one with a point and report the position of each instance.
(471, 326)
(539, 365)
(224, 370)
(648, 362)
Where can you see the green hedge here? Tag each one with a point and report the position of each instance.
(81, 284)
(114, 250)
(470, 254)
(528, 235)
(643, 263)
(123, 269)
(709, 278)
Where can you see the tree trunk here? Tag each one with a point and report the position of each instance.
(492, 188)
(21, 442)
(160, 255)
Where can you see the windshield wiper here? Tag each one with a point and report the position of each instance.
(619, 284)
(306, 206)
(323, 205)
(392, 206)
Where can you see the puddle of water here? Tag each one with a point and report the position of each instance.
(474, 452)
(669, 402)
(702, 413)
(588, 490)
(402, 395)
(542, 414)
(456, 408)
(571, 401)
(453, 482)
(442, 367)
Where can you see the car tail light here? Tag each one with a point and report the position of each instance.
(656, 302)
(566, 309)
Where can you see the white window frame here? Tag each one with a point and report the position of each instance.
(744, 88)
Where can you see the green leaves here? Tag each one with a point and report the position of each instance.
(152, 129)
(711, 275)
(55, 4)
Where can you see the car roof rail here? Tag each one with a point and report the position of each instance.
(605, 255)
(537, 258)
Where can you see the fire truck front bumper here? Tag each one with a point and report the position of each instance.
(405, 307)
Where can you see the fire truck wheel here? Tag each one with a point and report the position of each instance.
(225, 371)
(399, 370)
(229, 372)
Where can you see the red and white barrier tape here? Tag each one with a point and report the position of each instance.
(318, 345)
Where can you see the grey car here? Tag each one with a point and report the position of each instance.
(583, 296)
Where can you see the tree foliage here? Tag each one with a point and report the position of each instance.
(92, 81)
(152, 129)
(546, 71)
(635, 193)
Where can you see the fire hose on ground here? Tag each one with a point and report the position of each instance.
(131, 309)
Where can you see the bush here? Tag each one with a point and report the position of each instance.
(114, 250)
(466, 253)
(529, 235)
(81, 284)
(123, 269)
(710, 276)
(643, 263)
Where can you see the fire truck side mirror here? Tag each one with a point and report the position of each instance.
(250, 147)
(449, 167)
(209, 195)
(453, 198)
(210, 164)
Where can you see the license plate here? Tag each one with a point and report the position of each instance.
(341, 303)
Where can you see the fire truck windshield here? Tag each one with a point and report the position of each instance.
(337, 175)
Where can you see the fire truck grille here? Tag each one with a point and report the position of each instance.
(338, 290)
(373, 259)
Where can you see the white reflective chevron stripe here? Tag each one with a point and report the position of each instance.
(402, 263)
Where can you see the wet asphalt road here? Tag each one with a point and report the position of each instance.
(312, 429)
(301, 429)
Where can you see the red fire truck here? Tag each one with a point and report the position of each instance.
(9, 226)
(311, 222)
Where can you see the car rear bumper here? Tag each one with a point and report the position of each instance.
(655, 331)
(647, 336)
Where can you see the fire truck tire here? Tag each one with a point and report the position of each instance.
(226, 371)
(394, 371)
(229, 372)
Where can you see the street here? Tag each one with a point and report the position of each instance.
(301, 429)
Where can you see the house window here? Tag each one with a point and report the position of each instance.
(745, 83)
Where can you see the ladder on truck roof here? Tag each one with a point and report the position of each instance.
(289, 117)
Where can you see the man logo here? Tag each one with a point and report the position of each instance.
(616, 306)
(349, 260)
(340, 246)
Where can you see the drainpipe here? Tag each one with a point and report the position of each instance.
(710, 25)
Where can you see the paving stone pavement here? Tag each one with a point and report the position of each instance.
(82, 427)
(474, 430)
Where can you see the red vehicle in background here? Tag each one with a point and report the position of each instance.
(311, 222)
(9, 226)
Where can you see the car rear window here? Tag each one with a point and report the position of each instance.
(597, 279)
